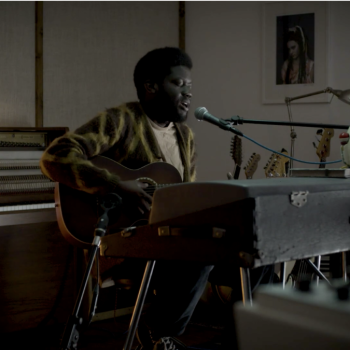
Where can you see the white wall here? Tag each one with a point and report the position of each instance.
(224, 40)
(91, 49)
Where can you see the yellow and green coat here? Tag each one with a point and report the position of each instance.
(123, 134)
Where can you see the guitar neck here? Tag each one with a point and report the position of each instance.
(237, 172)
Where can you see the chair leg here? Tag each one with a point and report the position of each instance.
(139, 304)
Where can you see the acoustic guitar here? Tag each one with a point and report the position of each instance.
(77, 211)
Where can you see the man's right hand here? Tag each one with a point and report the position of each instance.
(133, 193)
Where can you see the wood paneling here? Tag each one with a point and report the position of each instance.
(39, 90)
(17, 74)
(182, 23)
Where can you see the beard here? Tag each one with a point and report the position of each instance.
(179, 117)
(170, 110)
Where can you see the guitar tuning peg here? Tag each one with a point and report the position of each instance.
(314, 145)
(319, 132)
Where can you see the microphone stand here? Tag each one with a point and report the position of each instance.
(71, 332)
(236, 120)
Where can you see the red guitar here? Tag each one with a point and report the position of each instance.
(77, 211)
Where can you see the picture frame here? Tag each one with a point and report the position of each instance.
(279, 19)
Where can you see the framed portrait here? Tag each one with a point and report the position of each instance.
(295, 51)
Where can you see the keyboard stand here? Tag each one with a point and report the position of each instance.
(146, 279)
(246, 287)
(246, 295)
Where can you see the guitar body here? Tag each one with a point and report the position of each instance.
(77, 211)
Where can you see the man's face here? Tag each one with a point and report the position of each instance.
(174, 95)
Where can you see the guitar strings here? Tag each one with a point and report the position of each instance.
(151, 188)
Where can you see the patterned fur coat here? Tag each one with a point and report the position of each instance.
(122, 134)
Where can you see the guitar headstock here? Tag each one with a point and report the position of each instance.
(276, 165)
(324, 146)
(252, 165)
(236, 150)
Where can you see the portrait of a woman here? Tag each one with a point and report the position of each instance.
(298, 68)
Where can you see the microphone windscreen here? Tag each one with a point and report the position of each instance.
(199, 112)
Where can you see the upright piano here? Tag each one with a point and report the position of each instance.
(26, 195)
(32, 251)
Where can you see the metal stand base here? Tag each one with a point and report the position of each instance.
(316, 270)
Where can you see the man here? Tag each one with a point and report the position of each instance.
(135, 134)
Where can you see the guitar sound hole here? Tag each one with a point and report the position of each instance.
(147, 180)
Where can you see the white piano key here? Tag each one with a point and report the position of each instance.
(27, 207)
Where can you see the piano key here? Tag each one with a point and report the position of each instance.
(35, 206)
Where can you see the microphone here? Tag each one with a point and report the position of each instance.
(201, 113)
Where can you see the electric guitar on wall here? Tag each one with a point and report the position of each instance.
(236, 154)
(324, 145)
(276, 165)
(252, 165)
(77, 211)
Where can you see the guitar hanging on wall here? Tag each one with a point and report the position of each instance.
(324, 146)
(236, 155)
(277, 165)
(252, 165)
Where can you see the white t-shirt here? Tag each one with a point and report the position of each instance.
(167, 141)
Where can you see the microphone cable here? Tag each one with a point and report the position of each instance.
(284, 155)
